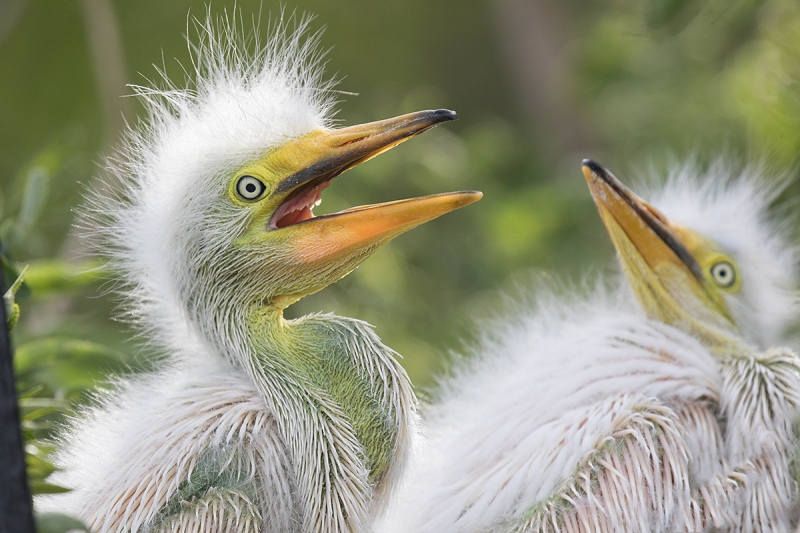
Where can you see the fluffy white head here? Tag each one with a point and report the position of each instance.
(732, 208)
(166, 229)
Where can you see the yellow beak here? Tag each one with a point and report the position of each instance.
(325, 154)
(648, 230)
(657, 259)
(364, 226)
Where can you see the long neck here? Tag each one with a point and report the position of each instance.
(341, 399)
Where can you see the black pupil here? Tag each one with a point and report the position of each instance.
(250, 187)
(723, 273)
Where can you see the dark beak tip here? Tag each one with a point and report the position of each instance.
(444, 115)
(594, 166)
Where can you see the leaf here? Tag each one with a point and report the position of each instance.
(43, 487)
(12, 308)
(56, 275)
(37, 178)
(31, 393)
(50, 350)
(13, 315)
(37, 467)
(39, 413)
(41, 403)
(671, 14)
(11, 273)
(57, 523)
(37, 183)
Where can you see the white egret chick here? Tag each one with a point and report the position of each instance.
(251, 423)
(663, 409)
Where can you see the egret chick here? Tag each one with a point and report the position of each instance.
(663, 409)
(252, 422)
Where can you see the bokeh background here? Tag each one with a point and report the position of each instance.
(538, 85)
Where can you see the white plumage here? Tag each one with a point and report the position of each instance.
(238, 106)
(251, 422)
(581, 413)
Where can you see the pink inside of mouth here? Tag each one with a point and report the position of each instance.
(299, 208)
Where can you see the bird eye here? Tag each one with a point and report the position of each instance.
(249, 188)
(723, 274)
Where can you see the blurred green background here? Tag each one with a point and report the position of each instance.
(538, 85)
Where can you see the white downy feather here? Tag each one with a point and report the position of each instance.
(578, 414)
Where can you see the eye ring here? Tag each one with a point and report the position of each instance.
(723, 273)
(249, 188)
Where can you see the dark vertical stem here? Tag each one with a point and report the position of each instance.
(537, 37)
(16, 509)
(108, 59)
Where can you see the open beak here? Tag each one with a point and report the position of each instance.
(323, 155)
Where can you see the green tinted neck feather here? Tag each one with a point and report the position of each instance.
(328, 365)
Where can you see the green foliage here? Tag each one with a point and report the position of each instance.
(661, 14)
(56, 276)
(52, 372)
(12, 307)
(35, 180)
(725, 76)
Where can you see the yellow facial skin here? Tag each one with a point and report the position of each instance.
(320, 250)
(680, 277)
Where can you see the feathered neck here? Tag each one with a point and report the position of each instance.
(344, 407)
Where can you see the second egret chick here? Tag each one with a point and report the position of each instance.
(667, 408)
